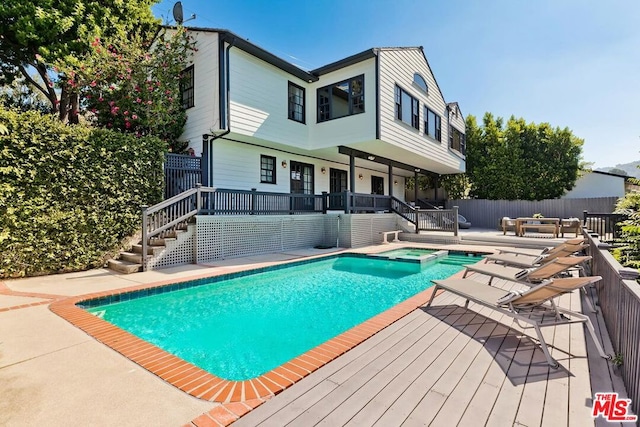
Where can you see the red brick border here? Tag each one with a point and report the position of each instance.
(236, 397)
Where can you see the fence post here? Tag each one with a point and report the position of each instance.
(455, 221)
(253, 201)
(145, 227)
(198, 198)
(584, 218)
(347, 208)
(324, 202)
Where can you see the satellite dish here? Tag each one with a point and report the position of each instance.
(177, 13)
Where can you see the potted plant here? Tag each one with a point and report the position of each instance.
(617, 363)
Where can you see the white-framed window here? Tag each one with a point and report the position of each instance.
(419, 81)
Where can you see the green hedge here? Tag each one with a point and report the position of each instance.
(69, 195)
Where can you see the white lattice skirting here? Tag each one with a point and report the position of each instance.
(221, 237)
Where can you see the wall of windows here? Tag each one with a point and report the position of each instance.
(407, 108)
(341, 99)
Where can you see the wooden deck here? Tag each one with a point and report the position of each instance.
(448, 366)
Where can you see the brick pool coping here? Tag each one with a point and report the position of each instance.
(237, 397)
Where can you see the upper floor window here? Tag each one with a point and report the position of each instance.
(457, 140)
(341, 99)
(407, 108)
(267, 169)
(187, 87)
(296, 103)
(420, 82)
(432, 125)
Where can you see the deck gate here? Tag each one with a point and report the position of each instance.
(181, 172)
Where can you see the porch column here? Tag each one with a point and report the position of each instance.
(415, 187)
(204, 165)
(352, 173)
(436, 184)
(390, 180)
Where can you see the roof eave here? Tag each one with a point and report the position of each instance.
(351, 60)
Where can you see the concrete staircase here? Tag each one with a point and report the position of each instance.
(130, 261)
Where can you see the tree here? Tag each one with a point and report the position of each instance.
(127, 86)
(36, 34)
(519, 160)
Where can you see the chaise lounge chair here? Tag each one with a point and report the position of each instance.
(545, 251)
(534, 307)
(528, 275)
(527, 261)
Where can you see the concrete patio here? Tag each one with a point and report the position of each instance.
(441, 366)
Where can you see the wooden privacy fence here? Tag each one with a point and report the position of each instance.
(619, 301)
(487, 213)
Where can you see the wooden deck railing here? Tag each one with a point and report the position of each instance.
(438, 219)
(619, 301)
(165, 217)
(606, 225)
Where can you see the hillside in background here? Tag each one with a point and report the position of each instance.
(630, 168)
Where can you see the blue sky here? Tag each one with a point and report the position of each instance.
(571, 63)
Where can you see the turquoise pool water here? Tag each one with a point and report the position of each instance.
(240, 328)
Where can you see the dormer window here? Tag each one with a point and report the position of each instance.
(419, 81)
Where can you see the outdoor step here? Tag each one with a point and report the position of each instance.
(122, 266)
(131, 257)
(162, 242)
(153, 249)
(173, 234)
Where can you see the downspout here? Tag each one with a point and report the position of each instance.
(224, 104)
(377, 66)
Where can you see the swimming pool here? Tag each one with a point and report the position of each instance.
(238, 328)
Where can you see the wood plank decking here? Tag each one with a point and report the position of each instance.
(449, 366)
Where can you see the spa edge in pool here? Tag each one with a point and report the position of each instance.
(242, 325)
(426, 255)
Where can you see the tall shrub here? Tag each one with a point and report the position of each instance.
(629, 255)
(70, 194)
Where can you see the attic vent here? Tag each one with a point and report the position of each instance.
(420, 82)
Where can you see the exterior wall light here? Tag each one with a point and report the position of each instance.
(323, 170)
(284, 164)
(360, 176)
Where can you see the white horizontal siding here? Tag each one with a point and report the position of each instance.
(236, 165)
(204, 116)
(397, 67)
(348, 129)
(259, 101)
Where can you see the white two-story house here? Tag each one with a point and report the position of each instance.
(363, 124)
